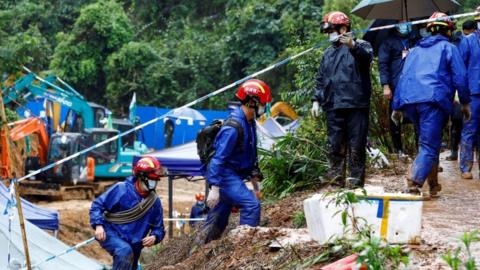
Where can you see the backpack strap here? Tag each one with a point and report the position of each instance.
(234, 123)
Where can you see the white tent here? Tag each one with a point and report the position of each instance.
(41, 246)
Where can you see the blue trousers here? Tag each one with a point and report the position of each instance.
(470, 132)
(429, 120)
(233, 192)
(125, 255)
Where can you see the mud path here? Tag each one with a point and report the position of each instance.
(457, 210)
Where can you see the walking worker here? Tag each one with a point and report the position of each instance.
(391, 55)
(431, 73)
(235, 159)
(129, 215)
(343, 91)
(470, 51)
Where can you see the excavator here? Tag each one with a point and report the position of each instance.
(83, 127)
(82, 117)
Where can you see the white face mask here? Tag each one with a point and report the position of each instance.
(151, 184)
(478, 25)
(333, 37)
(424, 32)
(260, 110)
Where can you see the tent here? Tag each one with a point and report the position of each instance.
(44, 218)
(41, 245)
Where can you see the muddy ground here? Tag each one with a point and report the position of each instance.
(74, 217)
(444, 220)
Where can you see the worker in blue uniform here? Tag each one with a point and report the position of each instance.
(199, 209)
(235, 159)
(469, 48)
(129, 215)
(391, 55)
(432, 72)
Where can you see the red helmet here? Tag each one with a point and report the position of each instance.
(441, 21)
(333, 18)
(256, 89)
(148, 167)
(199, 196)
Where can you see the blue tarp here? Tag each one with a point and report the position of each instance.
(180, 160)
(44, 218)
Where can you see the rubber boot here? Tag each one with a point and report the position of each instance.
(453, 156)
(432, 180)
(353, 183)
(467, 175)
(413, 188)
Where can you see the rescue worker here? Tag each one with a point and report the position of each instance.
(343, 91)
(199, 209)
(124, 234)
(235, 160)
(431, 73)
(470, 51)
(456, 118)
(391, 55)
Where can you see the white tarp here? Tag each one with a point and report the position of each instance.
(41, 245)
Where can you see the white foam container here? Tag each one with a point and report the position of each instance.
(400, 224)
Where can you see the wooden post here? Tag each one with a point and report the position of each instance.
(4, 128)
(22, 225)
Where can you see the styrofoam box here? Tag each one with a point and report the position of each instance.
(401, 223)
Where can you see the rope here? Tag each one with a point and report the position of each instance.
(133, 213)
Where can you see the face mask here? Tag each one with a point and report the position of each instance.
(260, 110)
(151, 184)
(478, 25)
(403, 29)
(424, 32)
(333, 37)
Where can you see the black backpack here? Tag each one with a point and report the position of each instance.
(206, 138)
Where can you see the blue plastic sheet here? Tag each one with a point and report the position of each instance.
(44, 218)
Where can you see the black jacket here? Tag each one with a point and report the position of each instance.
(390, 61)
(343, 79)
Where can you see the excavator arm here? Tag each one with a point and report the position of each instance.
(29, 127)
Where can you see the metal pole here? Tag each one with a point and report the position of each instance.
(170, 206)
(22, 225)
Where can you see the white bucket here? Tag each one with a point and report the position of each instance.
(395, 217)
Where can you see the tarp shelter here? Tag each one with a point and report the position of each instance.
(41, 245)
(44, 218)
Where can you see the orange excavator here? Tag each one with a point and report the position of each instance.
(20, 130)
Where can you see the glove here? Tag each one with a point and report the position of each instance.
(316, 110)
(466, 112)
(397, 117)
(213, 197)
(347, 39)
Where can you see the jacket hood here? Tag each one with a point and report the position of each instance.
(432, 40)
(238, 113)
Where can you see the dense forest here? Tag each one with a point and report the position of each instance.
(168, 52)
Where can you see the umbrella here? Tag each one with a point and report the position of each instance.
(188, 114)
(402, 9)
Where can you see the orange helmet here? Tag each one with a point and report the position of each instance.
(442, 20)
(333, 18)
(256, 89)
(148, 167)
(199, 197)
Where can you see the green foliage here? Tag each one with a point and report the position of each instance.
(80, 57)
(299, 220)
(462, 256)
(297, 161)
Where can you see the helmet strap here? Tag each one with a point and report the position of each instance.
(139, 189)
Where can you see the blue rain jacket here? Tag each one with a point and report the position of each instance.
(231, 158)
(469, 48)
(431, 73)
(123, 196)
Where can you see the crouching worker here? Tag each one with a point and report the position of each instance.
(431, 74)
(234, 158)
(129, 215)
